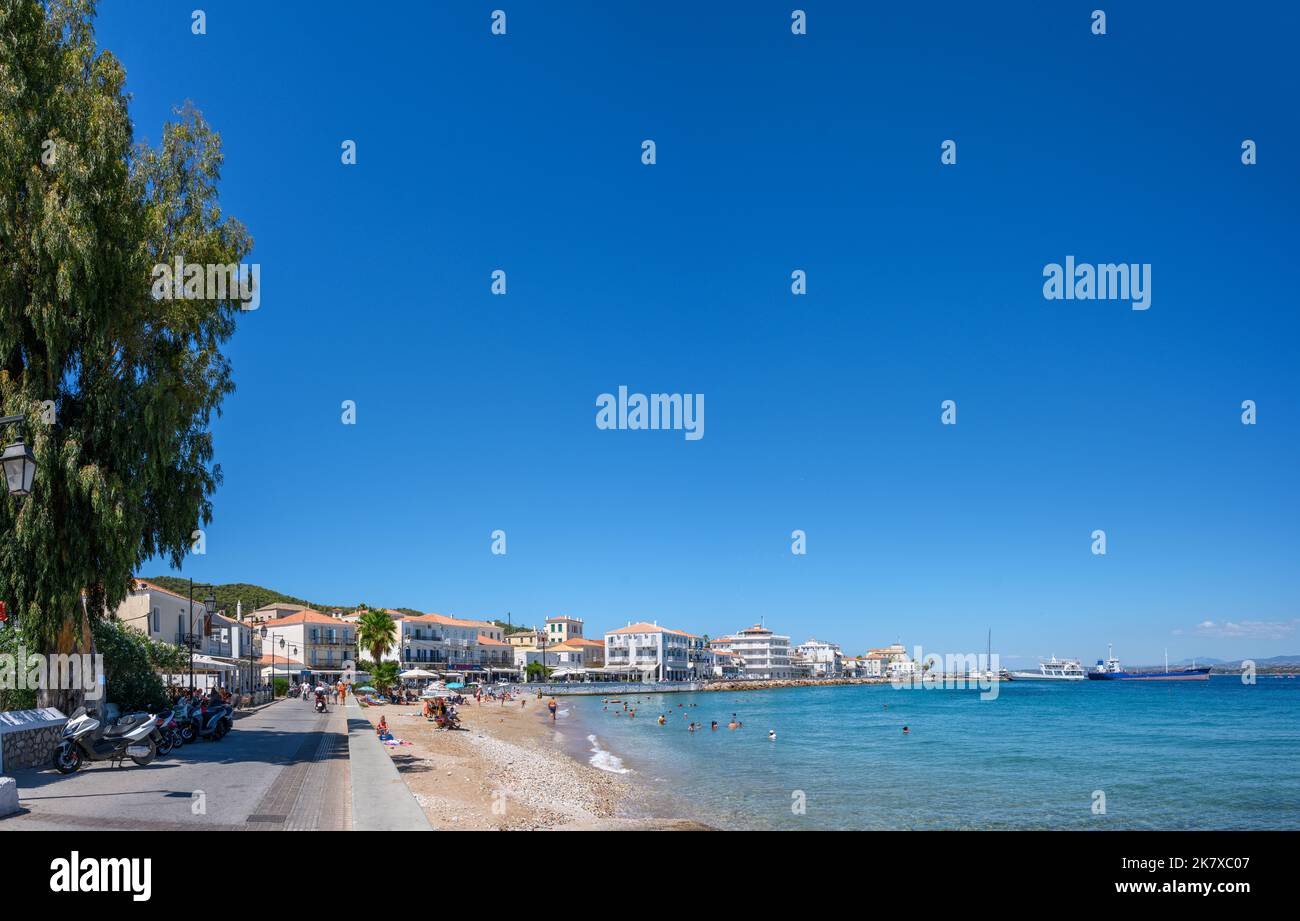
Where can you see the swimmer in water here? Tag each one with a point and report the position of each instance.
(715, 725)
(771, 735)
(906, 731)
(661, 719)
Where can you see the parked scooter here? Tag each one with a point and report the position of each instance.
(212, 721)
(186, 723)
(164, 738)
(86, 738)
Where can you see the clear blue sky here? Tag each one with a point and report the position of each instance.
(775, 152)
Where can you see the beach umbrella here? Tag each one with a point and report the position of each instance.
(367, 688)
(416, 673)
(435, 692)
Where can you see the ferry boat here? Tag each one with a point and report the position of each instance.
(1111, 670)
(1054, 670)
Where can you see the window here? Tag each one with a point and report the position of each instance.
(156, 622)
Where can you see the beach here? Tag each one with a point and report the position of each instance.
(509, 770)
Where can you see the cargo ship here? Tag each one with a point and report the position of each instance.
(1109, 669)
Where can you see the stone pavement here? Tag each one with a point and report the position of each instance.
(283, 767)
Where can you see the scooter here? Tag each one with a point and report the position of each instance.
(320, 703)
(213, 722)
(186, 724)
(85, 738)
(164, 735)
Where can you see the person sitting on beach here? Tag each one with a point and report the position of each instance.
(382, 726)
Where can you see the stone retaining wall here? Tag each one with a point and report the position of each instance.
(30, 747)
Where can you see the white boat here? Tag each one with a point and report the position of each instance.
(1054, 670)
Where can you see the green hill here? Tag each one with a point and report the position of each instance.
(255, 596)
(252, 596)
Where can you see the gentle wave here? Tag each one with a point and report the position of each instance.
(606, 761)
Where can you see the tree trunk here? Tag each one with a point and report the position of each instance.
(74, 638)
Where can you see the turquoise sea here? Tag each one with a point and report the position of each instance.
(1213, 754)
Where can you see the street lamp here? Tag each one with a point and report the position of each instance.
(263, 634)
(210, 607)
(19, 462)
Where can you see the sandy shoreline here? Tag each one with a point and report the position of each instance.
(508, 771)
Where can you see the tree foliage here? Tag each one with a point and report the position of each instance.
(118, 388)
(376, 632)
(385, 676)
(132, 663)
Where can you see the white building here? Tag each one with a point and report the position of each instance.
(764, 655)
(221, 645)
(326, 646)
(825, 660)
(649, 652)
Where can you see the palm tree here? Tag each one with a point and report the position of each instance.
(376, 632)
(384, 676)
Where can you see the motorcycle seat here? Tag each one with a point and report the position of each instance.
(125, 724)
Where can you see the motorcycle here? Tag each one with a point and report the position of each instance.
(320, 703)
(86, 738)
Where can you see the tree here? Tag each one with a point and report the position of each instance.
(118, 387)
(384, 676)
(132, 663)
(376, 632)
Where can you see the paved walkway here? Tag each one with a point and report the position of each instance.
(283, 767)
(381, 800)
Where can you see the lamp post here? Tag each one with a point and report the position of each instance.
(20, 470)
(210, 607)
(19, 462)
(263, 634)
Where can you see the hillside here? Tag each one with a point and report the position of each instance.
(255, 596)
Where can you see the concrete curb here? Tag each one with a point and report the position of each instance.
(8, 796)
(381, 801)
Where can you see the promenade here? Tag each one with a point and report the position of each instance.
(283, 768)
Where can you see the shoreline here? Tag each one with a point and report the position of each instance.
(508, 769)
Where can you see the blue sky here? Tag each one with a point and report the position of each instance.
(775, 153)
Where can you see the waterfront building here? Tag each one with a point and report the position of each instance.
(725, 664)
(562, 629)
(647, 651)
(326, 646)
(765, 656)
(824, 660)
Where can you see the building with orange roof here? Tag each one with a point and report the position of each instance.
(645, 651)
(454, 646)
(326, 646)
(224, 649)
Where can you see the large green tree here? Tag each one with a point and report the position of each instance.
(118, 387)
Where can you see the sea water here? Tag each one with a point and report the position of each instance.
(1216, 754)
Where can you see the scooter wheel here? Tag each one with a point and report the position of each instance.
(67, 758)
